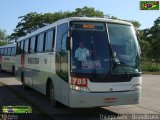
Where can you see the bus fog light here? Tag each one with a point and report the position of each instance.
(136, 87)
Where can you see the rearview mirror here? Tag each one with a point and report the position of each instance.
(137, 34)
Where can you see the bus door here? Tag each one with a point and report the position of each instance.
(62, 61)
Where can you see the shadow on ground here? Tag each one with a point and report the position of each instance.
(39, 101)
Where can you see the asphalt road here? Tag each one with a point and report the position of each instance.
(150, 101)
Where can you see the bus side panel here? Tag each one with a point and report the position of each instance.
(28, 76)
(8, 62)
(39, 68)
(18, 68)
(64, 92)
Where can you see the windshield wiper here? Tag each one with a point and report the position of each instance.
(114, 59)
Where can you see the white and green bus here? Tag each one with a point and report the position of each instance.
(7, 58)
(82, 62)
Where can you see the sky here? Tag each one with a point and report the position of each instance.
(10, 10)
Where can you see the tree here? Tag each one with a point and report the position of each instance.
(150, 42)
(154, 34)
(88, 12)
(135, 23)
(3, 43)
(32, 21)
(3, 37)
(2, 34)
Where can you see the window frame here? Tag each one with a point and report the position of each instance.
(53, 39)
(40, 40)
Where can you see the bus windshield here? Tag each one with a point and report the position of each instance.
(93, 48)
(90, 51)
(125, 45)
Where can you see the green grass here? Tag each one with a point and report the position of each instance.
(150, 68)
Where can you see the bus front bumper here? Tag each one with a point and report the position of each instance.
(85, 99)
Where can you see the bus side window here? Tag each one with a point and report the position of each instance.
(2, 51)
(40, 43)
(22, 47)
(5, 51)
(44, 38)
(29, 45)
(50, 39)
(9, 51)
(26, 46)
(19, 48)
(12, 50)
(36, 45)
(32, 45)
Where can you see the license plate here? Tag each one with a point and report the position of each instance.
(110, 100)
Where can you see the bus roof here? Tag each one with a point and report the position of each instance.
(50, 26)
(8, 45)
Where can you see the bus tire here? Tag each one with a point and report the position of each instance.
(51, 95)
(23, 82)
(13, 70)
(1, 69)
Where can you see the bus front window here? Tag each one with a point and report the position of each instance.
(124, 43)
(90, 51)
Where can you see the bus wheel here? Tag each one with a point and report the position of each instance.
(1, 69)
(23, 82)
(51, 95)
(13, 70)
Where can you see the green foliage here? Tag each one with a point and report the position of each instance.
(151, 42)
(32, 21)
(2, 34)
(149, 38)
(150, 46)
(3, 37)
(3, 43)
(135, 23)
(150, 66)
(88, 12)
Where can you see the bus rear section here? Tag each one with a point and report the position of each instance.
(7, 58)
(104, 68)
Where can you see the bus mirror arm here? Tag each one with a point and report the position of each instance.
(68, 43)
(68, 39)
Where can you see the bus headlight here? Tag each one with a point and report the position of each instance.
(79, 88)
(136, 87)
